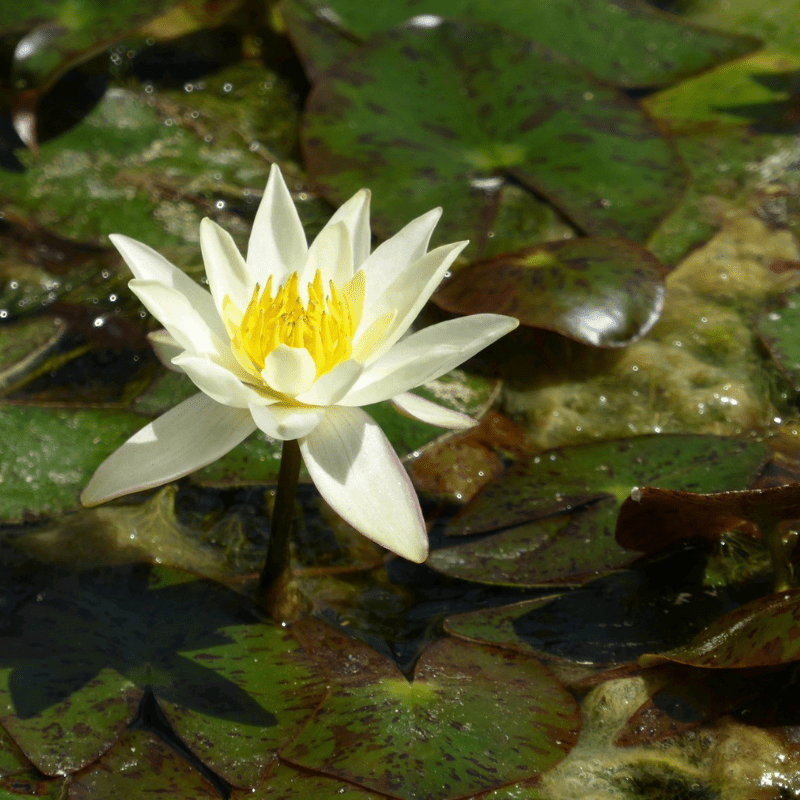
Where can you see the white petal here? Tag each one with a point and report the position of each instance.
(166, 348)
(409, 292)
(190, 328)
(217, 382)
(394, 255)
(148, 265)
(289, 370)
(277, 242)
(424, 410)
(427, 355)
(355, 215)
(359, 475)
(332, 386)
(286, 423)
(331, 253)
(225, 268)
(189, 436)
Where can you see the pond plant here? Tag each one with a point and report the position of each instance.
(567, 567)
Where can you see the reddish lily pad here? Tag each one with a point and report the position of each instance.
(603, 292)
(504, 105)
(79, 655)
(762, 633)
(473, 718)
(653, 519)
(626, 42)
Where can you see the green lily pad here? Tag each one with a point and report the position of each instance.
(756, 90)
(762, 633)
(504, 105)
(566, 478)
(603, 292)
(610, 620)
(58, 37)
(53, 454)
(590, 481)
(78, 656)
(566, 550)
(780, 330)
(472, 719)
(777, 23)
(140, 764)
(728, 125)
(627, 43)
(287, 783)
(125, 169)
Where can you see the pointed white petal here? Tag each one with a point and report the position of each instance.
(409, 292)
(359, 475)
(331, 253)
(186, 438)
(427, 355)
(424, 410)
(286, 423)
(355, 215)
(289, 370)
(186, 324)
(277, 242)
(394, 255)
(332, 386)
(225, 268)
(218, 383)
(166, 348)
(148, 265)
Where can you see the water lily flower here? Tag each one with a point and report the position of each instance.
(292, 341)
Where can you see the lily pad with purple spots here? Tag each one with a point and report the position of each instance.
(438, 113)
(625, 42)
(473, 718)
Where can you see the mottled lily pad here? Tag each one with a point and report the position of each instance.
(780, 330)
(603, 292)
(472, 719)
(566, 478)
(141, 764)
(286, 783)
(78, 657)
(762, 633)
(565, 549)
(543, 544)
(626, 42)
(503, 105)
(611, 620)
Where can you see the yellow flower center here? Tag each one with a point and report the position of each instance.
(324, 325)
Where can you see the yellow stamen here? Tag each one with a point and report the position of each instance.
(323, 325)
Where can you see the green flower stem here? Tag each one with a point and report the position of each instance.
(277, 590)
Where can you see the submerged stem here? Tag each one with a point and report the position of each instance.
(780, 550)
(277, 592)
